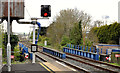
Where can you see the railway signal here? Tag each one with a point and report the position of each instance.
(45, 11)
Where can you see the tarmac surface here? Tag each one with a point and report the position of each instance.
(26, 68)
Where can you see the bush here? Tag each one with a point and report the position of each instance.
(13, 41)
(16, 53)
(108, 34)
(76, 34)
(43, 38)
(65, 40)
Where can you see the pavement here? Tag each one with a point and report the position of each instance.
(27, 68)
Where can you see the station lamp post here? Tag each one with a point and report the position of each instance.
(8, 44)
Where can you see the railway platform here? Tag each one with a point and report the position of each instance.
(27, 68)
(41, 67)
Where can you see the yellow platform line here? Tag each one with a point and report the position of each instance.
(46, 68)
(54, 68)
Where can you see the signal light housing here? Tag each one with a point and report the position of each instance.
(45, 11)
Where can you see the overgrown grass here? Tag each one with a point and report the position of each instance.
(4, 62)
(23, 62)
(115, 64)
(17, 62)
(16, 59)
(17, 53)
(58, 47)
(41, 44)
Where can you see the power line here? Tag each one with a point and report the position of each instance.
(27, 12)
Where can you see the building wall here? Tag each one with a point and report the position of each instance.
(104, 47)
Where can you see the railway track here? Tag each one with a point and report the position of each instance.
(67, 63)
(41, 58)
(90, 66)
(82, 70)
(83, 64)
(96, 63)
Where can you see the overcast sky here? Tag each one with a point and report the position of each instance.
(96, 8)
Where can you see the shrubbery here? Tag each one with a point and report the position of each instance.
(76, 34)
(16, 53)
(13, 40)
(108, 34)
(65, 40)
(43, 38)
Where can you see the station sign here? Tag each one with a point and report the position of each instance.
(12, 56)
(34, 48)
(117, 55)
(26, 55)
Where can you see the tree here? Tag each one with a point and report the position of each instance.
(13, 41)
(64, 23)
(107, 34)
(103, 34)
(97, 23)
(76, 34)
(0, 37)
(65, 40)
(86, 19)
(1, 41)
(92, 36)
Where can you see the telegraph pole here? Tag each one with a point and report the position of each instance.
(8, 44)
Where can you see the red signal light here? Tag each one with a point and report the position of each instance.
(45, 11)
(45, 14)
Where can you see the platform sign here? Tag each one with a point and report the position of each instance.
(34, 48)
(26, 55)
(107, 58)
(117, 55)
(12, 56)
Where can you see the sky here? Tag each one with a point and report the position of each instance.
(96, 8)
